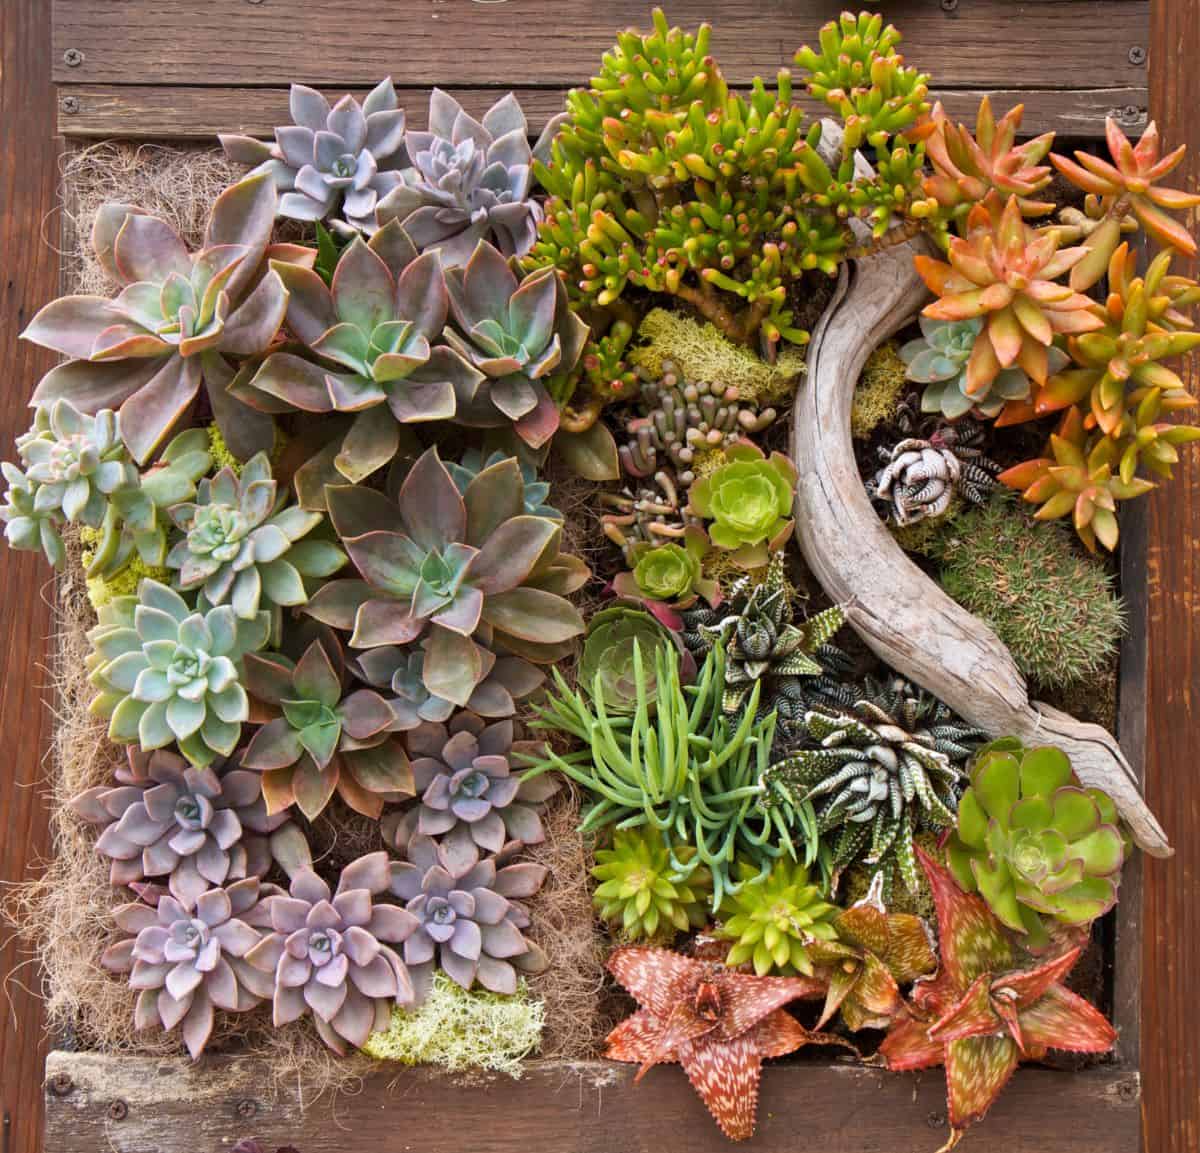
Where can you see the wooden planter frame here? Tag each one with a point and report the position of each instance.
(148, 69)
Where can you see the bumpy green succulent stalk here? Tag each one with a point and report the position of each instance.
(773, 919)
(168, 673)
(1036, 845)
(638, 891)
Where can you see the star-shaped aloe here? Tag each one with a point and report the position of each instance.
(317, 739)
(982, 1015)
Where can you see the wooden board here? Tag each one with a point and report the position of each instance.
(1170, 978)
(28, 157)
(131, 1105)
(187, 112)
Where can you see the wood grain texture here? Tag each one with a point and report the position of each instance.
(131, 1105)
(175, 112)
(1171, 908)
(903, 615)
(29, 271)
(981, 44)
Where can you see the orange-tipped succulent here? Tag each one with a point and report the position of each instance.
(1121, 362)
(1128, 185)
(1005, 272)
(966, 168)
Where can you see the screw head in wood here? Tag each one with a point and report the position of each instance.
(70, 105)
(949, 5)
(60, 1084)
(72, 58)
(118, 1110)
(1137, 54)
(246, 1108)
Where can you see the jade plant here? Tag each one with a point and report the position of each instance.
(373, 334)
(243, 547)
(748, 501)
(467, 180)
(637, 891)
(167, 673)
(467, 921)
(319, 739)
(1039, 848)
(331, 159)
(188, 960)
(178, 318)
(445, 564)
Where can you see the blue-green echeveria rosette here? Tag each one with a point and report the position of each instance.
(240, 546)
(373, 332)
(537, 492)
(748, 501)
(450, 566)
(1042, 851)
(520, 334)
(176, 320)
(169, 673)
(343, 158)
(73, 464)
(467, 180)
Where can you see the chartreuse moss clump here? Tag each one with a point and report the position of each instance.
(880, 385)
(458, 1030)
(700, 352)
(1052, 605)
(639, 892)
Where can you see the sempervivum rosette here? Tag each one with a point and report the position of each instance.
(330, 953)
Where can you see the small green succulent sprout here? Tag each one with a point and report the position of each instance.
(1036, 845)
(939, 359)
(607, 669)
(243, 548)
(749, 502)
(639, 890)
(772, 919)
(669, 573)
(73, 464)
(167, 672)
(519, 334)
(378, 321)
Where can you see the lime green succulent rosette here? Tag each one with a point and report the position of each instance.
(669, 574)
(607, 668)
(749, 502)
(1035, 844)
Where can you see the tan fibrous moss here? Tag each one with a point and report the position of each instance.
(1050, 602)
(880, 387)
(700, 351)
(459, 1030)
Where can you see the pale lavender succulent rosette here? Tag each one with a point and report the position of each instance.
(341, 157)
(187, 962)
(166, 818)
(329, 953)
(469, 923)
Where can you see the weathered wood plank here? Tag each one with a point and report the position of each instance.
(171, 112)
(28, 158)
(980, 43)
(1171, 923)
(129, 1105)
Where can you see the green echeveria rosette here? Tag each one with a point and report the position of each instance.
(668, 578)
(749, 502)
(639, 890)
(773, 919)
(168, 673)
(607, 668)
(240, 547)
(1034, 843)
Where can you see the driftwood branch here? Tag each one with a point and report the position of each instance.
(902, 615)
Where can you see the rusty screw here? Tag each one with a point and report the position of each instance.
(246, 1108)
(118, 1110)
(70, 105)
(61, 1084)
(72, 58)
(1137, 54)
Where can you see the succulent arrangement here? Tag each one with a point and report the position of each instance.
(318, 483)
